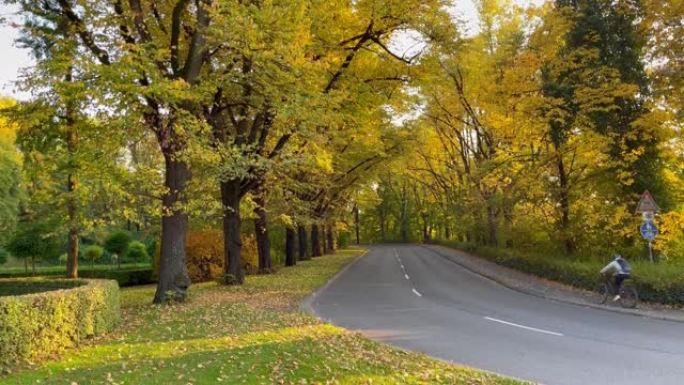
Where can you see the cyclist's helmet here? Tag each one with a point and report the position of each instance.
(617, 256)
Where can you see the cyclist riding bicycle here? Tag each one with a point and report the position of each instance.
(620, 269)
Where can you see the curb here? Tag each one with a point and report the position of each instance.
(307, 303)
(496, 279)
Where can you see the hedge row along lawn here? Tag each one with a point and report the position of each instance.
(128, 275)
(661, 282)
(16, 271)
(253, 334)
(38, 320)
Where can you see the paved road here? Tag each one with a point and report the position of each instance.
(411, 297)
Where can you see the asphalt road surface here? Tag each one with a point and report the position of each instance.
(411, 297)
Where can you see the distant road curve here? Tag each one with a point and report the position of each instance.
(411, 297)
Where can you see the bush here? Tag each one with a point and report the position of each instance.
(37, 326)
(3, 255)
(662, 282)
(137, 252)
(205, 257)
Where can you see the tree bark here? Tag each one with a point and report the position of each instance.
(331, 239)
(173, 272)
(72, 199)
(316, 250)
(357, 224)
(493, 239)
(564, 195)
(324, 238)
(290, 241)
(230, 197)
(303, 243)
(261, 232)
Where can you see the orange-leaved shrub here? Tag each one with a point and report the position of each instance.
(204, 254)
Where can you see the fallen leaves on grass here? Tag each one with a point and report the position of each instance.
(251, 334)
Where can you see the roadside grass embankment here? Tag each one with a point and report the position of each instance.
(251, 334)
(659, 283)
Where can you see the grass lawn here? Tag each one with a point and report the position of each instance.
(252, 334)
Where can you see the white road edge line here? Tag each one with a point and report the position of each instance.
(524, 327)
(406, 275)
(417, 293)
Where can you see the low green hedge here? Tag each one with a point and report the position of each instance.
(660, 282)
(37, 326)
(125, 277)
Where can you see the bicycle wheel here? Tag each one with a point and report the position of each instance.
(628, 297)
(604, 291)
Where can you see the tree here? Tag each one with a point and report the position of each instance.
(118, 244)
(137, 252)
(93, 253)
(10, 176)
(34, 240)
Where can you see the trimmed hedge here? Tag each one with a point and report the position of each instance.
(125, 277)
(37, 326)
(661, 282)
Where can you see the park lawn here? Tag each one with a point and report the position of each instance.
(253, 334)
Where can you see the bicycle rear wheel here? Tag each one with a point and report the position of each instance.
(604, 291)
(628, 297)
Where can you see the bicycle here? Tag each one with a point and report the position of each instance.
(628, 293)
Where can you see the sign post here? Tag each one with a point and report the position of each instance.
(648, 207)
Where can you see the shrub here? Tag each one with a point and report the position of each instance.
(137, 252)
(37, 326)
(205, 257)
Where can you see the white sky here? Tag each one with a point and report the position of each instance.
(12, 59)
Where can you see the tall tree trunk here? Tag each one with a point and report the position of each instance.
(290, 241)
(357, 224)
(173, 272)
(331, 239)
(261, 231)
(564, 198)
(493, 239)
(231, 197)
(303, 243)
(316, 250)
(33, 265)
(72, 199)
(324, 237)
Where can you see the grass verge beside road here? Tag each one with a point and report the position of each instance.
(253, 334)
(659, 283)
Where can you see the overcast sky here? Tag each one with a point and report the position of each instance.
(13, 58)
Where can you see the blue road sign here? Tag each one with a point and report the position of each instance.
(648, 230)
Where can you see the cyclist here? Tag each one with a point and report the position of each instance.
(620, 269)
